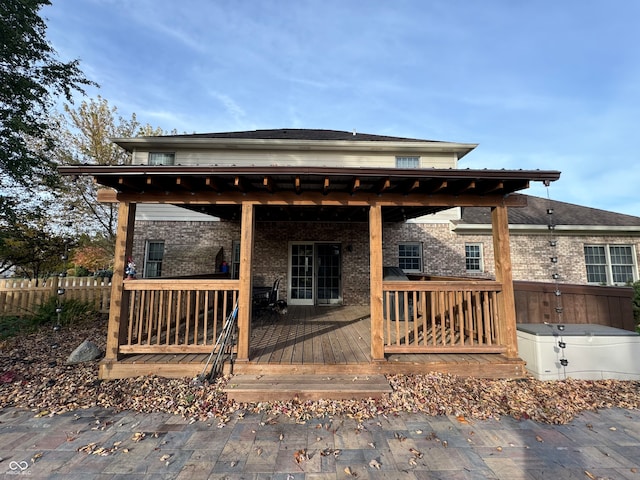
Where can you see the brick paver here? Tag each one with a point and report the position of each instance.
(100, 444)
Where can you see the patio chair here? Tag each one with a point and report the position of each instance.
(269, 306)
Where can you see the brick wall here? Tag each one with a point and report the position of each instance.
(191, 248)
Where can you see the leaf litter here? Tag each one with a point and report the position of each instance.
(28, 363)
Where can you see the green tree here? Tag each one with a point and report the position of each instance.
(86, 134)
(34, 251)
(32, 78)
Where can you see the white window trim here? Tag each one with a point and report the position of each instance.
(480, 245)
(420, 248)
(608, 265)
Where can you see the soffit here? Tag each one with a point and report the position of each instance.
(305, 181)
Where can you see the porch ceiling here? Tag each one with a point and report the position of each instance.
(303, 181)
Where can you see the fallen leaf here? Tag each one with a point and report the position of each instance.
(300, 456)
(416, 453)
(539, 438)
(374, 464)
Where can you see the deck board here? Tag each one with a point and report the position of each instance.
(318, 340)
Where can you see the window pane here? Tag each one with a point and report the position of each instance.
(622, 273)
(621, 255)
(594, 254)
(597, 274)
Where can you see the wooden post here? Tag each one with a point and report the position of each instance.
(504, 275)
(375, 275)
(244, 296)
(119, 298)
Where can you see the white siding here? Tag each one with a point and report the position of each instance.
(170, 213)
(445, 216)
(293, 158)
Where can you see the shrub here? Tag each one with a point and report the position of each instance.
(636, 304)
(72, 311)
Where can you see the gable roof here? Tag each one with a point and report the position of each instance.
(535, 214)
(294, 139)
(301, 134)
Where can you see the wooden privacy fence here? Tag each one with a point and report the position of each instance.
(536, 302)
(176, 316)
(441, 316)
(22, 296)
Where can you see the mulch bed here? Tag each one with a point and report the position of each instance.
(33, 375)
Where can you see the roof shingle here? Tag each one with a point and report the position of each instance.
(535, 213)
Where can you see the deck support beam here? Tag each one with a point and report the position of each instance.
(119, 298)
(507, 334)
(247, 234)
(375, 275)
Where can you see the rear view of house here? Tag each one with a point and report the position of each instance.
(353, 230)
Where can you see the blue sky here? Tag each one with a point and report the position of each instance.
(539, 84)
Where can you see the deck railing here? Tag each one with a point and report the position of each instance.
(457, 316)
(176, 316)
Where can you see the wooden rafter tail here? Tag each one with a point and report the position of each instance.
(269, 184)
(325, 186)
(439, 186)
(125, 184)
(240, 184)
(410, 186)
(185, 184)
(298, 185)
(493, 187)
(211, 184)
(355, 185)
(471, 185)
(383, 185)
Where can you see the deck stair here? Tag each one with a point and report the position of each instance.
(266, 388)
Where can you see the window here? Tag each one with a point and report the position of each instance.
(153, 258)
(410, 257)
(235, 260)
(407, 162)
(473, 257)
(161, 158)
(610, 264)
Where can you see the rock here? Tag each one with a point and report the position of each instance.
(86, 352)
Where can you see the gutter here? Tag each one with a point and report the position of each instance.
(476, 229)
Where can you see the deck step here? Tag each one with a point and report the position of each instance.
(268, 388)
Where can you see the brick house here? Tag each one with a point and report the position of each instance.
(324, 212)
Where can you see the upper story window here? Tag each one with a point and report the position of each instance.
(161, 158)
(610, 264)
(407, 162)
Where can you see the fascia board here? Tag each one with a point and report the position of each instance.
(470, 229)
(145, 143)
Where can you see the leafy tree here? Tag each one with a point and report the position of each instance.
(86, 134)
(32, 79)
(94, 255)
(32, 249)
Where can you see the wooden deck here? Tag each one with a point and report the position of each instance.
(317, 341)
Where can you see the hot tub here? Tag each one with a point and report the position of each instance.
(591, 352)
